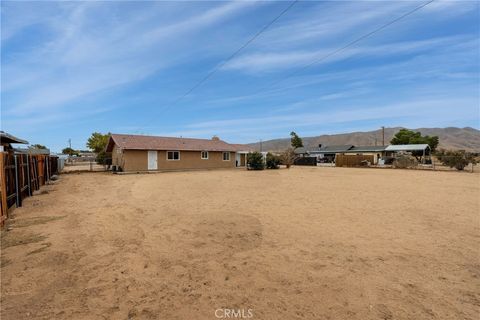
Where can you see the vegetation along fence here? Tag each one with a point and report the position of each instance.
(20, 175)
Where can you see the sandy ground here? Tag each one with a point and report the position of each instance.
(305, 243)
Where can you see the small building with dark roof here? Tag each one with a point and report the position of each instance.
(7, 139)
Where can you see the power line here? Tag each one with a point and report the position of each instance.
(322, 58)
(209, 75)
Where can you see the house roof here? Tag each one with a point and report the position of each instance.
(8, 138)
(366, 149)
(407, 147)
(241, 147)
(140, 142)
(331, 149)
(301, 150)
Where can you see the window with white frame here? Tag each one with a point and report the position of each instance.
(204, 155)
(173, 155)
(226, 156)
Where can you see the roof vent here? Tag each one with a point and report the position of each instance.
(215, 138)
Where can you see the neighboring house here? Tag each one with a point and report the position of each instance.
(323, 153)
(150, 153)
(328, 153)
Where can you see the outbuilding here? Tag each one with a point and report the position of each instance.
(139, 153)
(418, 150)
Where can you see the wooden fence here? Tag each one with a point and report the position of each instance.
(20, 175)
(352, 160)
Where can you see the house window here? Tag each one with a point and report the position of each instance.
(226, 156)
(173, 155)
(204, 155)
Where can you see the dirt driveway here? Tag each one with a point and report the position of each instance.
(305, 243)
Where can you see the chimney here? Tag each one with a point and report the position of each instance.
(215, 138)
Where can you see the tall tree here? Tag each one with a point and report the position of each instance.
(405, 136)
(98, 141)
(295, 140)
(70, 151)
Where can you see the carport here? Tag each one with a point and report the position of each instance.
(423, 149)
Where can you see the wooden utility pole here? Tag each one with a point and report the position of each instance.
(383, 135)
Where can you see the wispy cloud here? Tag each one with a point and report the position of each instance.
(274, 61)
(83, 58)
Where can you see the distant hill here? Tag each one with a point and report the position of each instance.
(450, 138)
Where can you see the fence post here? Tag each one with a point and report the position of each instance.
(3, 189)
(28, 176)
(47, 162)
(18, 200)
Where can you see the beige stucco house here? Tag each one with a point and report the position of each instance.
(137, 153)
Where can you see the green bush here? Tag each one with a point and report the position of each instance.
(255, 161)
(457, 159)
(273, 161)
(101, 157)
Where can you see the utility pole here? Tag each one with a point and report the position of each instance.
(383, 135)
(70, 143)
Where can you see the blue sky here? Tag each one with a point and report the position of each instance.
(71, 68)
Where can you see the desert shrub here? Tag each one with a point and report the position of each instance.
(457, 159)
(273, 161)
(101, 157)
(288, 157)
(404, 161)
(255, 161)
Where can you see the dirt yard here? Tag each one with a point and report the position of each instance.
(305, 243)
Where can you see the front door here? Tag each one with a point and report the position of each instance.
(152, 160)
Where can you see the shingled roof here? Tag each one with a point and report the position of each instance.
(141, 142)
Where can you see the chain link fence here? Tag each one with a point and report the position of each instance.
(87, 164)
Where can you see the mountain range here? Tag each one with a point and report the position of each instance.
(450, 138)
